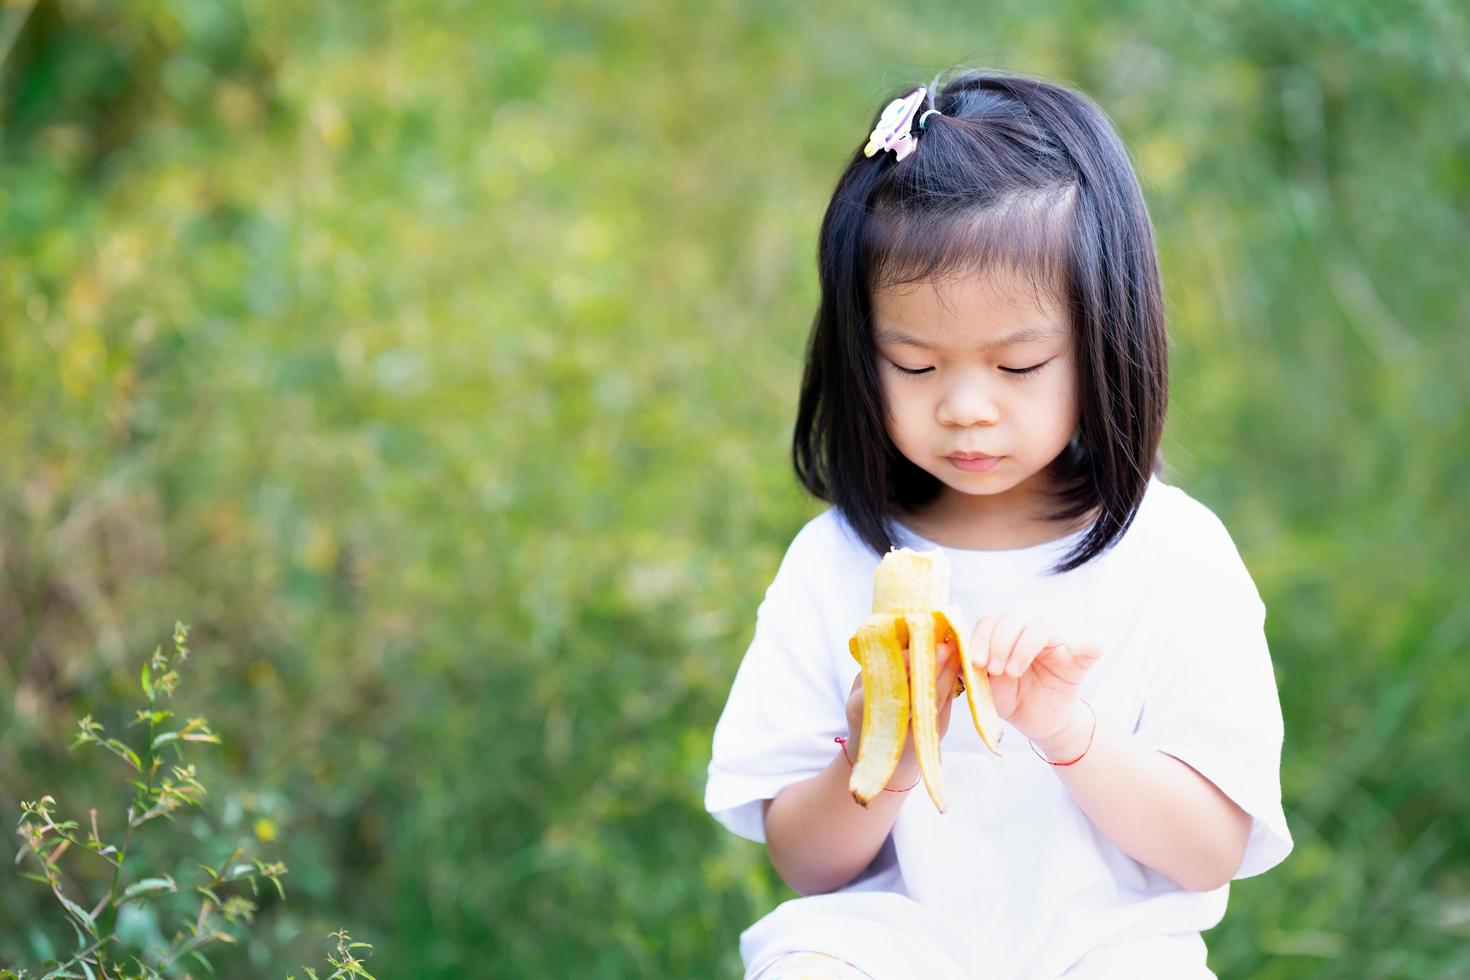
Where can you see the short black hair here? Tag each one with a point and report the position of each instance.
(1012, 172)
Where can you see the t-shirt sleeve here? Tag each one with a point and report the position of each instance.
(1211, 698)
(785, 705)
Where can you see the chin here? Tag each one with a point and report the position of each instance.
(979, 484)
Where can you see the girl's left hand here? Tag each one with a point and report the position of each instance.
(1035, 673)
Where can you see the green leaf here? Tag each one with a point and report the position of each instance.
(124, 753)
(163, 738)
(80, 913)
(150, 717)
(149, 886)
(148, 682)
(81, 939)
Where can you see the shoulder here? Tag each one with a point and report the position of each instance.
(822, 587)
(826, 540)
(1195, 548)
(825, 561)
(1174, 510)
(1187, 521)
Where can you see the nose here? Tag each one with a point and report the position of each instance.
(968, 402)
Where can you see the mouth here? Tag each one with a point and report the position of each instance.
(973, 462)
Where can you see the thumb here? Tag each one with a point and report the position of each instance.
(1086, 654)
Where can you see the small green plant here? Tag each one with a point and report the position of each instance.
(344, 961)
(222, 907)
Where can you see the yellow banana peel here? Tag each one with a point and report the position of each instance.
(910, 610)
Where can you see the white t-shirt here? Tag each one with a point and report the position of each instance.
(1014, 881)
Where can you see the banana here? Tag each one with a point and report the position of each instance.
(878, 647)
(910, 609)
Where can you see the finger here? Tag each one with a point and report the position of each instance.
(1084, 655)
(1007, 630)
(942, 657)
(1003, 693)
(943, 650)
(949, 669)
(980, 642)
(946, 705)
(1071, 663)
(1034, 638)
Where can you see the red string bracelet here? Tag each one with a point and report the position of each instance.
(1084, 751)
(843, 742)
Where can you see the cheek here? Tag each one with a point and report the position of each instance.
(900, 411)
(1068, 417)
(1064, 394)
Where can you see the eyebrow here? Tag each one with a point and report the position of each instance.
(1026, 335)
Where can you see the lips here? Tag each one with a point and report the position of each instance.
(973, 462)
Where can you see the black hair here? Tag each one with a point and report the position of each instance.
(1012, 172)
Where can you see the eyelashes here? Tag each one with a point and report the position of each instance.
(1024, 371)
(1014, 372)
(910, 371)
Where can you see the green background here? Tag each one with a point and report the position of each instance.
(437, 362)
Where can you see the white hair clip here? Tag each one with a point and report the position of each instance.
(893, 129)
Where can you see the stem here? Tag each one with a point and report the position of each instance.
(80, 846)
(12, 31)
(81, 954)
(199, 940)
(122, 853)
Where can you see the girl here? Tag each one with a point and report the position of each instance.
(987, 374)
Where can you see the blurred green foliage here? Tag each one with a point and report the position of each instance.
(437, 361)
(127, 934)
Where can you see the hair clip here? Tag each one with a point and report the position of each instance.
(893, 129)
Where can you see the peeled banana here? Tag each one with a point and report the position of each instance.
(910, 609)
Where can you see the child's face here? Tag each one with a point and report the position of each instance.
(971, 400)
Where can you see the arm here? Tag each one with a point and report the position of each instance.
(1157, 809)
(819, 837)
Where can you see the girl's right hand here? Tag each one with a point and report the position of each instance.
(948, 666)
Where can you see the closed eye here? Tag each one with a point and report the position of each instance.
(1023, 371)
(912, 371)
(1018, 372)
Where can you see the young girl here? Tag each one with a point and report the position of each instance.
(987, 375)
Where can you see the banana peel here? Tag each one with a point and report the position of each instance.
(911, 611)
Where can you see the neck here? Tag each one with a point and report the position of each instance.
(994, 522)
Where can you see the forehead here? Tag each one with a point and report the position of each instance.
(971, 312)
